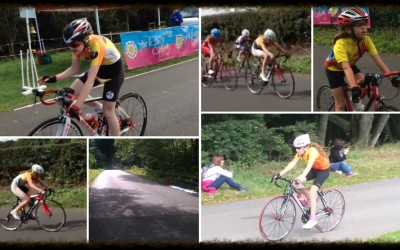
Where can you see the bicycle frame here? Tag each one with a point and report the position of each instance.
(36, 198)
(64, 99)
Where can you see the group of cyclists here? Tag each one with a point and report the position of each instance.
(263, 47)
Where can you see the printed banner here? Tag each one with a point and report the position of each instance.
(143, 48)
(329, 16)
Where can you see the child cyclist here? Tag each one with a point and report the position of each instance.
(208, 48)
(317, 168)
(350, 44)
(106, 68)
(242, 44)
(21, 184)
(263, 47)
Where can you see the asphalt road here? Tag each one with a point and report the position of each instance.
(217, 98)
(171, 95)
(124, 207)
(371, 210)
(74, 230)
(365, 64)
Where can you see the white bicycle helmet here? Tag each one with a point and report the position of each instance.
(301, 141)
(270, 35)
(245, 32)
(37, 169)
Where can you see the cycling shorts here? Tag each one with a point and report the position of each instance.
(336, 78)
(319, 176)
(116, 73)
(18, 190)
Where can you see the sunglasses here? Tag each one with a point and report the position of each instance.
(299, 148)
(74, 45)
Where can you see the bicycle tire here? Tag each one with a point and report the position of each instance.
(270, 221)
(325, 99)
(229, 76)
(135, 106)
(54, 222)
(388, 108)
(7, 221)
(330, 216)
(46, 128)
(283, 81)
(254, 84)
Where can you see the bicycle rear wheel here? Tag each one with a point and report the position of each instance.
(50, 215)
(283, 81)
(325, 100)
(51, 127)
(229, 76)
(329, 214)
(135, 107)
(7, 221)
(277, 218)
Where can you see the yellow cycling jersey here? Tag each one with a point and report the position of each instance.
(346, 50)
(24, 177)
(259, 40)
(101, 51)
(320, 163)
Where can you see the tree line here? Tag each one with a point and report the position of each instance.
(64, 160)
(51, 24)
(165, 156)
(251, 139)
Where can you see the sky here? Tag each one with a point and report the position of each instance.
(214, 11)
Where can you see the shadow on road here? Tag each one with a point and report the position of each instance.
(126, 215)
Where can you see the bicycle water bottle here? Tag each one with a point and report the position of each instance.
(302, 199)
(91, 120)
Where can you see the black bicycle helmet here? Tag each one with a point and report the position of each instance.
(77, 30)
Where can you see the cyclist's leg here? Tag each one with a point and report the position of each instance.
(22, 193)
(336, 82)
(110, 97)
(78, 85)
(320, 178)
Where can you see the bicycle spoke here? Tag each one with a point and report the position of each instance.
(52, 127)
(329, 215)
(325, 100)
(277, 218)
(135, 107)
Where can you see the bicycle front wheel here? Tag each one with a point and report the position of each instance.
(135, 107)
(50, 215)
(7, 221)
(325, 99)
(54, 127)
(283, 81)
(387, 108)
(330, 210)
(277, 218)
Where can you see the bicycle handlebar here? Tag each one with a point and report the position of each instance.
(65, 94)
(290, 181)
(372, 78)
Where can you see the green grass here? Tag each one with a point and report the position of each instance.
(367, 163)
(93, 173)
(69, 197)
(392, 237)
(384, 39)
(11, 79)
